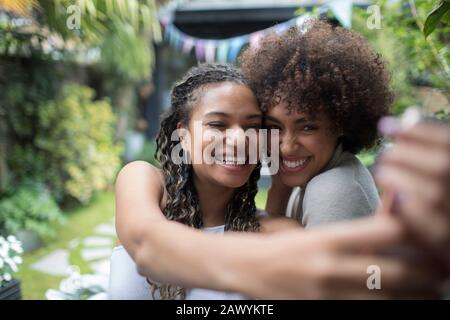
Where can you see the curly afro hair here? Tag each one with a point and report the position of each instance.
(319, 68)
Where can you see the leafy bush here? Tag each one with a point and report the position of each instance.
(73, 149)
(412, 58)
(31, 208)
(77, 135)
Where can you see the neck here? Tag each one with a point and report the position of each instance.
(213, 200)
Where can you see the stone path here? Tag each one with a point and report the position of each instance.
(96, 249)
(55, 263)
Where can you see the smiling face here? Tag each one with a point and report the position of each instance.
(306, 145)
(223, 108)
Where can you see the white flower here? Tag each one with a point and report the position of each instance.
(11, 239)
(70, 285)
(52, 294)
(12, 264)
(17, 259)
(1, 262)
(3, 251)
(7, 277)
(17, 247)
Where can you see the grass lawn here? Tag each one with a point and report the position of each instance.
(261, 197)
(81, 223)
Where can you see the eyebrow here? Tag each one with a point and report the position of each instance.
(223, 114)
(299, 120)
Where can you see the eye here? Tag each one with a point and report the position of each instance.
(272, 127)
(216, 125)
(309, 128)
(255, 126)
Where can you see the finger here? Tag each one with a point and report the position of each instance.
(430, 229)
(420, 158)
(373, 233)
(432, 134)
(414, 184)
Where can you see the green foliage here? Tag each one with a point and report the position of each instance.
(367, 157)
(31, 208)
(115, 34)
(81, 223)
(441, 12)
(412, 59)
(393, 52)
(64, 139)
(442, 115)
(148, 153)
(76, 137)
(122, 30)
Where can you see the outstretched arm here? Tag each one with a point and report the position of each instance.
(290, 264)
(160, 246)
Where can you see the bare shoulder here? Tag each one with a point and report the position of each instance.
(140, 178)
(141, 169)
(139, 200)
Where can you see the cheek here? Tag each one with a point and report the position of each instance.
(325, 146)
(321, 146)
(314, 144)
(202, 147)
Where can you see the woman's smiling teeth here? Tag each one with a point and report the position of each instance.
(295, 164)
(230, 161)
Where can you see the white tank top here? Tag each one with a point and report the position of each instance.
(125, 283)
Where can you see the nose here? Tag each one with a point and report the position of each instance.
(289, 144)
(236, 138)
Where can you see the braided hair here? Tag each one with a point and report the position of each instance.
(182, 201)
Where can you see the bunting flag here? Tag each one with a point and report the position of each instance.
(227, 50)
(342, 10)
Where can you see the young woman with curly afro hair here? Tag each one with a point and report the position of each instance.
(324, 89)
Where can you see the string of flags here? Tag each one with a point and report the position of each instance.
(227, 50)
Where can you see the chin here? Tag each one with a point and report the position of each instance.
(293, 181)
(232, 183)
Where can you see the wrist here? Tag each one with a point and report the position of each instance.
(240, 263)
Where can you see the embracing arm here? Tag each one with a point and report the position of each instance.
(290, 264)
(168, 251)
(278, 197)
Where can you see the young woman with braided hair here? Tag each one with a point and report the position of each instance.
(214, 197)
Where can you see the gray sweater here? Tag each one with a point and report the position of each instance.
(343, 190)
